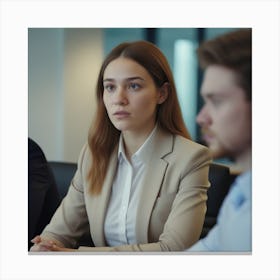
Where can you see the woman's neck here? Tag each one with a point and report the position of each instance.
(134, 140)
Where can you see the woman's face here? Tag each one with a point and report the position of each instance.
(130, 96)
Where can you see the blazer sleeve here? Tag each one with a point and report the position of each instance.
(179, 212)
(70, 220)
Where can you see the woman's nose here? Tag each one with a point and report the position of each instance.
(120, 97)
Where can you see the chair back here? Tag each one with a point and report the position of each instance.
(221, 180)
(63, 173)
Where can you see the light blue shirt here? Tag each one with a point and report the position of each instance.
(233, 231)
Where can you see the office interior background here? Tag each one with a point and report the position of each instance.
(63, 64)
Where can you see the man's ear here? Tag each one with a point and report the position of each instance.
(163, 93)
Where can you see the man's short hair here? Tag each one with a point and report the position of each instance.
(232, 50)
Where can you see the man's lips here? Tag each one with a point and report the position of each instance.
(207, 138)
(207, 135)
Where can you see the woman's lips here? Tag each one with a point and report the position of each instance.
(121, 114)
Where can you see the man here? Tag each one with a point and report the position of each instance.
(226, 124)
(43, 196)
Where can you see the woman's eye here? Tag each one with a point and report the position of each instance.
(134, 86)
(109, 87)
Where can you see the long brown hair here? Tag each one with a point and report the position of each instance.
(103, 136)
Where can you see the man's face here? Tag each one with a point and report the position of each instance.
(225, 118)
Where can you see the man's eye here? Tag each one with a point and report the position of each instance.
(216, 102)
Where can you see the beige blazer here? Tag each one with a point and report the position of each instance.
(172, 203)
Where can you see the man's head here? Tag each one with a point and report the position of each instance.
(225, 118)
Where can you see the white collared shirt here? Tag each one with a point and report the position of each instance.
(120, 221)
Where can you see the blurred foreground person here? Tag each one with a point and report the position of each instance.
(226, 123)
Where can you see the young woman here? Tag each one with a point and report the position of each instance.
(141, 183)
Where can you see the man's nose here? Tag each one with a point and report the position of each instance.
(203, 117)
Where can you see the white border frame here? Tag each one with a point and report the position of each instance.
(17, 16)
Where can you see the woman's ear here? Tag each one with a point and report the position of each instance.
(163, 93)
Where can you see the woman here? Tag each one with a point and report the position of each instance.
(141, 183)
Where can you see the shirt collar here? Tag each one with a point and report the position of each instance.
(121, 151)
(241, 189)
(244, 183)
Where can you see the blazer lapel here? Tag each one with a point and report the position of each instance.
(152, 182)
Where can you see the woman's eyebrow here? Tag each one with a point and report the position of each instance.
(126, 79)
(108, 80)
(135, 78)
